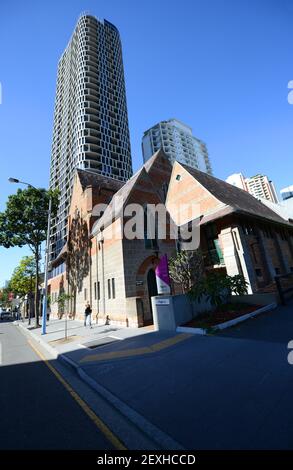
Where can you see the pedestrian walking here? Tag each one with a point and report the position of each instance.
(88, 315)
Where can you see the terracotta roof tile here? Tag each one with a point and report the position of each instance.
(88, 178)
(237, 199)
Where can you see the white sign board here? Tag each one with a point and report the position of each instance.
(162, 301)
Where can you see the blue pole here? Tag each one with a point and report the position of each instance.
(44, 316)
(45, 294)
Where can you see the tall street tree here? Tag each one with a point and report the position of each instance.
(23, 278)
(24, 222)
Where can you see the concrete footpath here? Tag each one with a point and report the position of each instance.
(232, 390)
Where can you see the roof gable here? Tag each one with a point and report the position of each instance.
(236, 199)
(158, 159)
(187, 198)
(88, 178)
(115, 208)
(145, 178)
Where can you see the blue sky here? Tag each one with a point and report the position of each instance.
(220, 66)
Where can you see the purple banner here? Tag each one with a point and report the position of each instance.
(162, 276)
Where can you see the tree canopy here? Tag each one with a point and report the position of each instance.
(23, 278)
(24, 222)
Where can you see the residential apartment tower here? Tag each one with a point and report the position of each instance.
(90, 118)
(258, 186)
(178, 143)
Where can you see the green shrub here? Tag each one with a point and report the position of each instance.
(218, 287)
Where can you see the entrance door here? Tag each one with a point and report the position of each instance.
(153, 290)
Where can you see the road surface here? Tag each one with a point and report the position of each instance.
(37, 410)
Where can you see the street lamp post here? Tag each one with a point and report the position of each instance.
(45, 300)
(45, 292)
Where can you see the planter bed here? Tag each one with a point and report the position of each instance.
(223, 318)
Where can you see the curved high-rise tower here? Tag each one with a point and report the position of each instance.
(90, 118)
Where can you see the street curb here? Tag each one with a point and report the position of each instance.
(227, 324)
(156, 435)
(39, 340)
(145, 426)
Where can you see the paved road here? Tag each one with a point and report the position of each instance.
(37, 412)
(229, 391)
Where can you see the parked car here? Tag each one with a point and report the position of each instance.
(5, 314)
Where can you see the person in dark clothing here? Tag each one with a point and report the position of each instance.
(88, 315)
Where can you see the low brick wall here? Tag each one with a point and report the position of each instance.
(172, 311)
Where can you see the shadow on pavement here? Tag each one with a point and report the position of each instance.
(37, 412)
(273, 327)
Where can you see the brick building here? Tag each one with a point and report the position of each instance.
(114, 274)
(238, 235)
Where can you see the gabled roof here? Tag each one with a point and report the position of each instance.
(282, 208)
(88, 178)
(157, 157)
(120, 198)
(116, 206)
(235, 199)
